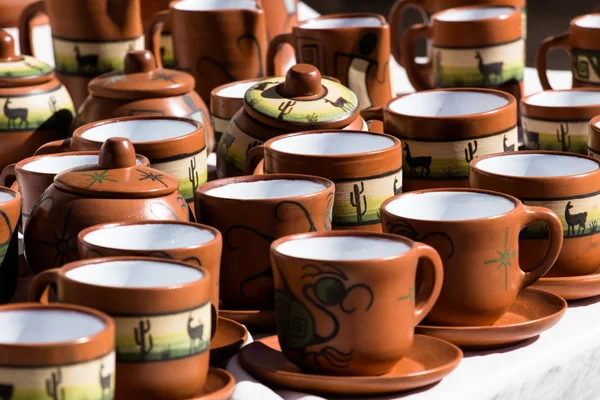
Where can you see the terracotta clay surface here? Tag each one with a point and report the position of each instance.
(149, 8)
(281, 16)
(594, 138)
(259, 320)
(228, 340)
(428, 361)
(571, 287)
(533, 312)
(10, 210)
(219, 385)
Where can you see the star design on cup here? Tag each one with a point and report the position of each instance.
(62, 244)
(164, 77)
(99, 177)
(503, 259)
(152, 177)
(409, 296)
(115, 78)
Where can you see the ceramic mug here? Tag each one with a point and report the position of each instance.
(347, 302)
(33, 175)
(594, 138)
(195, 244)
(353, 48)
(218, 41)
(87, 37)
(581, 42)
(475, 46)
(366, 168)
(10, 211)
(56, 351)
(443, 130)
(559, 119)
(568, 184)
(476, 233)
(251, 212)
(161, 310)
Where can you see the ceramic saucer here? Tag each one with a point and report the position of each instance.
(533, 312)
(252, 319)
(219, 386)
(571, 287)
(429, 360)
(228, 339)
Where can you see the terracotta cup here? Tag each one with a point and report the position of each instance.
(195, 244)
(568, 184)
(476, 233)
(353, 48)
(10, 210)
(559, 119)
(366, 168)
(89, 37)
(347, 302)
(174, 145)
(475, 46)
(443, 130)
(217, 41)
(33, 175)
(251, 212)
(161, 310)
(582, 42)
(56, 352)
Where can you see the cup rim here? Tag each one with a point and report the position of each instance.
(214, 93)
(381, 18)
(593, 123)
(524, 99)
(434, 17)
(16, 197)
(226, 10)
(573, 22)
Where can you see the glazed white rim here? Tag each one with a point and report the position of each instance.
(464, 14)
(590, 21)
(214, 5)
(6, 196)
(537, 165)
(564, 98)
(236, 90)
(342, 22)
(266, 189)
(332, 143)
(447, 103)
(140, 130)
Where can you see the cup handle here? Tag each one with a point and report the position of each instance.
(535, 214)
(8, 177)
(253, 159)
(153, 32)
(560, 41)
(418, 74)
(25, 30)
(395, 18)
(372, 114)
(40, 286)
(57, 146)
(274, 45)
(433, 277)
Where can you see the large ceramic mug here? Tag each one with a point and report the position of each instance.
(56, 352)
(161, 310)
(354, 48)
(476, 233)
(475, 46)
(218, 41)
(347, 302)
(568, 184)
(10, 211)
(582, 42)
(251, 212)
(366, 168)
(89, 37)
(443, 130)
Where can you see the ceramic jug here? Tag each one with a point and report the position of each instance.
(149, 8)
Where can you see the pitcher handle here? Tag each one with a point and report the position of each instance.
(153, 32)
(395, 18)
(25, 29)
(560, 41)
(274, 46)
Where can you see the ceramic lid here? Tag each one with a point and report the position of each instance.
(117, 175)
(20, 70)
(300, 100)
(140, 79)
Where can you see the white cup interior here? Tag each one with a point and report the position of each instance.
(237, 90)
(58, 164)
(149, 236)
(565, 98)
(589, 21)
(347, 22)
(6, 196)
(447, 103)
(337, 248)
(332, 143)
(537, 165)
(474, 14)
(135, 274)
(449, 206)
(267, 189)
(207, 5)
(39, 325)
(140, 130)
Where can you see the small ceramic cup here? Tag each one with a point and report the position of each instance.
(476, 233)
(366, 168)
(594, 138)
(582, 42)
(559, 119)
(194, 244)
(347, 302)
(34, 174)
(10, 211)
(568, 184)
(161, 310)
(251, 212)
(474, 46)
(443, 130)
(56, 352)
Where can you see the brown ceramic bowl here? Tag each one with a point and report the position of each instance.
(251, 212)
(566, 183)
(347, 302)
(10, 210)
(56, 351)
(161, 310)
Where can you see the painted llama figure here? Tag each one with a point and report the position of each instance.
(194, 332)
(12, 114)
(575, 220)
(487, 70)
(423, 162)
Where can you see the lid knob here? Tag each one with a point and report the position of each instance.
(302, 80)
(117, 152)
(7, 47)
(138, 61)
